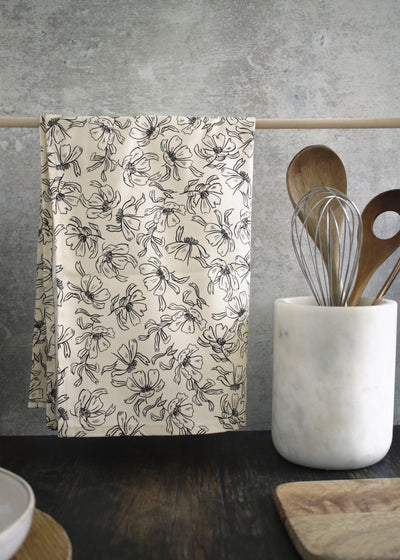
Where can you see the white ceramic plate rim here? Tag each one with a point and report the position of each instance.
(31, 501)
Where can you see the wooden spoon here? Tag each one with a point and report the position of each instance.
(374, 250)
(315, 166)
(318, 166)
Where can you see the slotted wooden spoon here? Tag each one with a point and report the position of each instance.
(318, 166)
(374, 250)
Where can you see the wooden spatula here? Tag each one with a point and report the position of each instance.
(374, 250)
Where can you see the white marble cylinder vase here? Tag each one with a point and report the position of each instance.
(333, 382)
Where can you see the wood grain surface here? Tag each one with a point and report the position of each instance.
(169, 498)
(342, 519)
(46, 540)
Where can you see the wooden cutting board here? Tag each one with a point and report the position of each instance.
(46, 540)
(342, 519)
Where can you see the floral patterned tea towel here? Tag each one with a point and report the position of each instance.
(143, 271)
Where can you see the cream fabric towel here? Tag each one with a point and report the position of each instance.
(143, 271)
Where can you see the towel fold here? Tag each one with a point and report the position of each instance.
(143, 270)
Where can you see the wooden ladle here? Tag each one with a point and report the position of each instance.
(318, 166)
(374, 250)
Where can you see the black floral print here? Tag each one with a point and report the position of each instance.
(166, 213)
(96, 340)
(136, 167)
(157, 278)
(189, 364)
(177, 156)
(113, 260)
(89, 409)
(126, 218)
(148, 128)
(101, 203)
(129, 309)
(143, 272)
(238, 179)
(83, 240)
(203, 197)
(143, 385)
(90, 289)
(128, 359)
(56, 129)
(179, 415)
(65, 157)
(223, 275)
(216, 148)
(233, 410)
(125, 426)
(64, 195)
(187, 247)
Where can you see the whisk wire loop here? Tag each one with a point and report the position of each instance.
(326, 237)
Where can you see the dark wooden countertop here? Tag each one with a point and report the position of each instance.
(195, 497)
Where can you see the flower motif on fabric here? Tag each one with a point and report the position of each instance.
(203, 197)
(239, 180)
(221, 340)
(177, 157)
(166, 213)
(224, 276)
(114, 259)
(64, 336)
(56, 128)
(185, 248)
(142, 386)
(179, 415)
(188, 124)
(130, 308)
(186, 319)
(90, 290)
(245, 136)
(83, 240)
(219, 234)
(125, 426)
(234, 379)
(46, 224)
(136, 167)
(216, 149)
(105, 131)
(90, 409)
(96, 340)
(65, 157)
(189, 364)
(157, 278)
(64, 195)
(233, 410)
(242, 228)
(128, 360)
(102, 203)
(148, 128)
(127, 218)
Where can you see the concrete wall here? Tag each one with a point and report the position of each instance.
(263, 58)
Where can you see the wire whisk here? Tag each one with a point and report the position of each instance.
(327, 237)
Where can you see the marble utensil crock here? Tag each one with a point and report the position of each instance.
(333, 382)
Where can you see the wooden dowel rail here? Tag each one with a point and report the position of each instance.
(33, 122)
(326, 123)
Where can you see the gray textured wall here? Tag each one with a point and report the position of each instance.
(263, 58)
